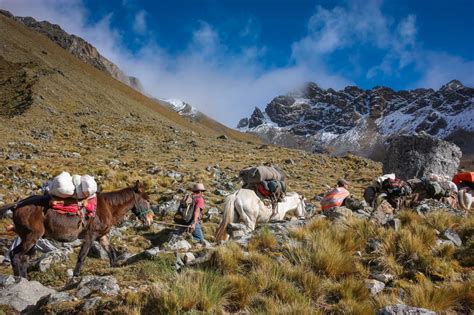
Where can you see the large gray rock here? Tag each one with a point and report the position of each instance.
(402, 309)
(20, 293)
(410, 156)
(374, 286)
(45, 261)
(94, 284)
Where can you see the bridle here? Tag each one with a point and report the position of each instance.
(140, 210)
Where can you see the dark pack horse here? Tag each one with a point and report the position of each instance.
(33, 219)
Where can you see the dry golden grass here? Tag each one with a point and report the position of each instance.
(264, 241)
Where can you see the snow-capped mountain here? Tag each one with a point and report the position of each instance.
(182, 108)
(359, 120)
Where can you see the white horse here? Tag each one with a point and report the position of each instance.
(245, 206)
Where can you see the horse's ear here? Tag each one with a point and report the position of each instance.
(139, 187)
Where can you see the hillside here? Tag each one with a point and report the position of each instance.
(78, 47)
(358, 121)
(60, 113)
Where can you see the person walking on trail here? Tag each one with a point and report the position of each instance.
(340, 196)
(198, 204)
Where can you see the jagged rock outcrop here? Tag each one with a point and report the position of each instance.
(359, 121)
(78, 47)
(419, 155)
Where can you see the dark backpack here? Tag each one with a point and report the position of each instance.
(396, 187)
(185, 213)
(438, 189)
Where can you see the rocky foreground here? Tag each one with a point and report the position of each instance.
(416, 261)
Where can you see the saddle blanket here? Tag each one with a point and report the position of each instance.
(74, 207)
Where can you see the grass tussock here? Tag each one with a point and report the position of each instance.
(202, 290)
(264, 241)
(449, 297)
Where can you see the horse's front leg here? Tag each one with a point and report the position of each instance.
(86, 246)
(105, 242)
(20, 256)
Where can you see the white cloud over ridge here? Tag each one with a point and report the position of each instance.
(227, 83)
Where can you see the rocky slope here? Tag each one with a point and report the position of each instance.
(78, 47)
(359, 120)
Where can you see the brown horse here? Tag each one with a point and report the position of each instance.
(34, 219)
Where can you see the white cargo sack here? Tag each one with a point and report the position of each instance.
(88, 186)
(378, 182)
(76, 180)
(62, 186)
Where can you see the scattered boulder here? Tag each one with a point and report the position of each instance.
(410, 156)
(374, 286)
(126, 258)
(223, 137)
(177, 242)
(452, 236)
(188, 258)
(383, 277)
(338, 213)
(20, 293)
(95, 284)
(240, 233)
(167, 207)
(45, 262)
(430, 205)
(97, 251)
(57, 297)
(402, 309)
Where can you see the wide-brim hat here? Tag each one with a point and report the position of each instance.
(199, 187)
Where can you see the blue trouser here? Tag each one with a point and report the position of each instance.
(197, 233)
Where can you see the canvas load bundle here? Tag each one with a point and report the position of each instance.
(66, 186)
(259, 174)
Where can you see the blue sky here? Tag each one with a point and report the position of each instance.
(225, 57)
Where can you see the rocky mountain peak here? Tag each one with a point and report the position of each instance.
(357, 120)
(453, 85)
(78, 47)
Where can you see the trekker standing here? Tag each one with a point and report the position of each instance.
(198, 204)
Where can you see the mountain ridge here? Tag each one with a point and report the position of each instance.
(78, 47)
(358, 121)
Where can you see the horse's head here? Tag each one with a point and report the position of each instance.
(141, 207)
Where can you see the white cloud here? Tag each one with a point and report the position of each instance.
(139, 22)
(440, 68)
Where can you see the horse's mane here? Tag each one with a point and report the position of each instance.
(118, 197)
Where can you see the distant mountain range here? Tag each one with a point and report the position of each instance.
(78, 47)
(359, 121)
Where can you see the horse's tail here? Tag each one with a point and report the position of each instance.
(227, 217)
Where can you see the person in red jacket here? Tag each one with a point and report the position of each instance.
(464, 179)
(340, 196)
